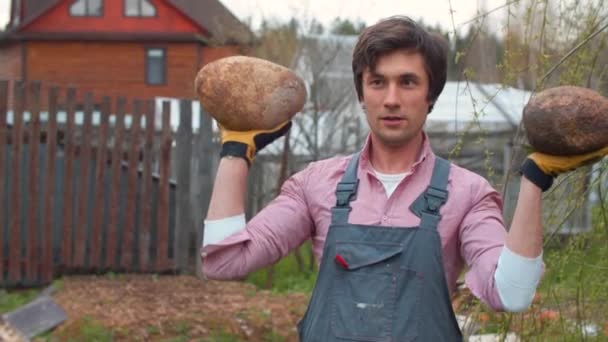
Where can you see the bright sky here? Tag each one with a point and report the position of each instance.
(5, 6)
(369, 11)
(432, 11)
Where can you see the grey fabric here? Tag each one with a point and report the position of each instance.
(346, 191)
(382, 283)
(435, 195)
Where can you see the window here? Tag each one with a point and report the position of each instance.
(156, 66)
(139, 8)
(87, 8)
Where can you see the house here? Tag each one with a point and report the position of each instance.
(131, 48)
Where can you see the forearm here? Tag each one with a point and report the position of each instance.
(525, 236)
(519, 266)
(225, 212)
(232, 248)
(229, 189)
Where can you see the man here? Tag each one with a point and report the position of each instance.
(392, 226)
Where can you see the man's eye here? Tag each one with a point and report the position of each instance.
(376, 82)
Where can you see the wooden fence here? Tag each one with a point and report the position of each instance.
(87, 187)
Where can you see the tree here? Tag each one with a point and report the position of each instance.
(278, 42)
(346, 27)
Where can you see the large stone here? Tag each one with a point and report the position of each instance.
(567, 120)
(246, 93)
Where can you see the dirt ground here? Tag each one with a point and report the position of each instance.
(184, 308)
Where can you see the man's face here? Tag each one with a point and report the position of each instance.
(395, 97)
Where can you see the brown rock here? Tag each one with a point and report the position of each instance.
(246, 93)
(567, 120)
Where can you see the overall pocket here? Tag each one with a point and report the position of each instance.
(364, 291)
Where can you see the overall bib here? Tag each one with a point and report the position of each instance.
(380, 283)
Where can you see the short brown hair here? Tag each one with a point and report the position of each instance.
(396, 33)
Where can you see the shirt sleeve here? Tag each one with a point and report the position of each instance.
(284, 224)
(217, 230)
(516, 279)
(482, 237)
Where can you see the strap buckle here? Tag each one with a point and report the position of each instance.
(346, 192)
(435, 198)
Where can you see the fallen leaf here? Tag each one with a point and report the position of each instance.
(548, 315)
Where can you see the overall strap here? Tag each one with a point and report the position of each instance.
(428, 204)
(346, 191)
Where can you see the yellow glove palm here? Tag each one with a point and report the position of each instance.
(554, 165)
(245, 144)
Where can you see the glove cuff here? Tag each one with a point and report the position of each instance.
(534, 174)
(235, 149)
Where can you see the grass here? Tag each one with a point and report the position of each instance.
(579, 262)
(10, 301)
(287, 277)
(179, 339)
(85, 329)
(93, 331)
(153, 330)
(181, 327)
(221, 336)
(273, 336)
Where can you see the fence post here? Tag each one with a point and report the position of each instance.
(205, 151)
(3, 144)
(15, 256)
(47, 229)
(32, 258)
(184, 223)
(162, 240)
(146, 189)
(95, 261)
(82, 195)
(3, 168)
(66, 240)
(113, 220)
(131, 194)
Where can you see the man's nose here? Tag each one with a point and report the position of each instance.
(392, 97)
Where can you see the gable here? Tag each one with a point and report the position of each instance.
(167, 20)
(207, 18)
(32, 9)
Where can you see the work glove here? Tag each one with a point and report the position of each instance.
(245, 144)
(541, 168)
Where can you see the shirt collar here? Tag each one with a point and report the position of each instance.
(425, 152)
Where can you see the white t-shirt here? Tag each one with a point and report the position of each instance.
(390, 181)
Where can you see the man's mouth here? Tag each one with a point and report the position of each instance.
(392, 118)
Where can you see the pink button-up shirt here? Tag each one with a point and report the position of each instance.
(471, 229)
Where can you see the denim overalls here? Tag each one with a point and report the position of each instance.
(382, 283)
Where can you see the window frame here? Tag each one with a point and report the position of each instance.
(163, 69)
(139, 15)
(86, 10)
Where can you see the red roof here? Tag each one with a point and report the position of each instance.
(211, 15)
